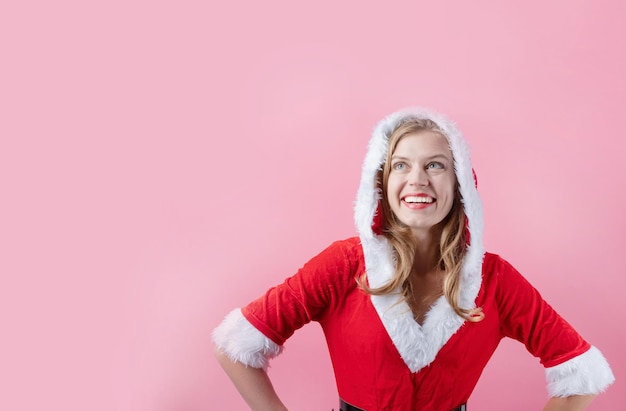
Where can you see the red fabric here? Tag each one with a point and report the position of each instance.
(369, 371)
(378, 222)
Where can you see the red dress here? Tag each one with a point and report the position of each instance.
(370, 372)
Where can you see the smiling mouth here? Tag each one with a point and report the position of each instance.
(418, 200)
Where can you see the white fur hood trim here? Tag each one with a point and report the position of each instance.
(589, 373)
(418, 345)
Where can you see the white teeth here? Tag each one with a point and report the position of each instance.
(419, 199)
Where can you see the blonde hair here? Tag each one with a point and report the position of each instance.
(452, 244)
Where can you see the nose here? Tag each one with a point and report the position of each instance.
(418, 177)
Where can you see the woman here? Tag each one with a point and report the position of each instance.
(413, 308)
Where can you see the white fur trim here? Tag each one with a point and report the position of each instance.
(588, 373)
(241, 342)
(418, 345)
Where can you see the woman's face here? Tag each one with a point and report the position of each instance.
(421, 184)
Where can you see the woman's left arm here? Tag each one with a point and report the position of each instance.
(572, 403)
(575, 370)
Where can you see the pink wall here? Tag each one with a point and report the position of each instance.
(162, 163)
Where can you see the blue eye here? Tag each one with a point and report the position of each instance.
(434, 165)
(398, 166)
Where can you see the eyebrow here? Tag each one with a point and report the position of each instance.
(433, 157)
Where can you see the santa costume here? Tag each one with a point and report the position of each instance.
(382, 358)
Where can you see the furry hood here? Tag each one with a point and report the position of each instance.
(417, 344)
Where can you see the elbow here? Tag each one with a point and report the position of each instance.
(221, 357)
(570, 403)
(217, 352)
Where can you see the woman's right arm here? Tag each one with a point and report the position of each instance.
(253, 384)
(246, 343)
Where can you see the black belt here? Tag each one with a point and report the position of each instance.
(344, 406)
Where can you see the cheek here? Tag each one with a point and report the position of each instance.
(447, 195)
(451, 191)
(391, 186)
(450, 187)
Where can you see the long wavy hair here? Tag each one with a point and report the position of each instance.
(452, 244)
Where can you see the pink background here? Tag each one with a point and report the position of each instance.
(164, 162)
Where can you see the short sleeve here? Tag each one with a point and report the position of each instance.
(255, 333)
(573, 366)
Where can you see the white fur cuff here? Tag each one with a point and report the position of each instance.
(241, 342)
(588, 373)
